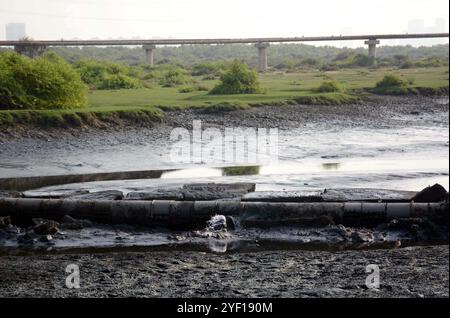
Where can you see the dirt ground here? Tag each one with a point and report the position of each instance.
(404, 272)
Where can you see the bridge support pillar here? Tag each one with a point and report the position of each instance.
(372, 43)
(262, 56)
(149, 53)
(30, 50)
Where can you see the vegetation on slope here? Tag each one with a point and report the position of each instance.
(47, 82)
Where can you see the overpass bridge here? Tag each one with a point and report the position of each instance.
(33, 48)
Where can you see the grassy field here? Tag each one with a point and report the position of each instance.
(148, 104)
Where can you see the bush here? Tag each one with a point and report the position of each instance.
(392, 84)
(119, 81)
(186, 89)
(208, 68)
(47, 82)
(390, 80)
(174, 78)
(239, 79)
(194, 88)
(329, 87)
(108, 75)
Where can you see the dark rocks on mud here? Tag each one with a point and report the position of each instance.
(419, 229)
(45, 227)
(214, 191)
(435, 193)
(5, 221)
(156, 194)
(367, 195)
(68, 222)
(195, 192)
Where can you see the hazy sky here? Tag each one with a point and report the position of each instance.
(56, 19)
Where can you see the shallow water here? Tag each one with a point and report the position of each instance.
(405, 159)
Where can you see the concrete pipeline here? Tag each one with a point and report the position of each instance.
(194, 214)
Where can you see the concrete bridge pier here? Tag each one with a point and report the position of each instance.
(372, 43)
(149, 53)
(262, 56)
(30, 50)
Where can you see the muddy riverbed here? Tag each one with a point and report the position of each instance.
(406, 272)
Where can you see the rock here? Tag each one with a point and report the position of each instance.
(100, 195)
(68, 222)
(368, 195)
(362, 236)
(215, 191)
(5, 221)
(435, 193)
(194, 192)
(10, 194)
(27, 238)
(44, 227)
(156, 194)
(217, 223)
(283, 196)
(46, 238)
(53, 195)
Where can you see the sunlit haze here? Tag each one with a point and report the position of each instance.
(105, 19)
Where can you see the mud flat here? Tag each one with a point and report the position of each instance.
(374, 112)
(406, 272)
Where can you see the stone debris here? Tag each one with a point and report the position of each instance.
(435, 193)
(45, 227)
(68, 222)
(100, 195)
(215, 191)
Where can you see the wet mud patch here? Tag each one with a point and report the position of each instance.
(416, 272)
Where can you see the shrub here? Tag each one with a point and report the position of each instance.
(193, 88)
(390, 80)
(47, 82)
(119, 81)
(239, 79)
(329, 87)
(208, 68)
(174, 78)
(186, 89)
(108, 75)
(392, 84)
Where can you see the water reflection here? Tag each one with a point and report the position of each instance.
(331, 166)
(241, 171)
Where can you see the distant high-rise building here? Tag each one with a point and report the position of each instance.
(441, 25)
(15, 31)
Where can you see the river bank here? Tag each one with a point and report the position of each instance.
(387, 110)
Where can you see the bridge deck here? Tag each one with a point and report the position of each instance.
(223, 41)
